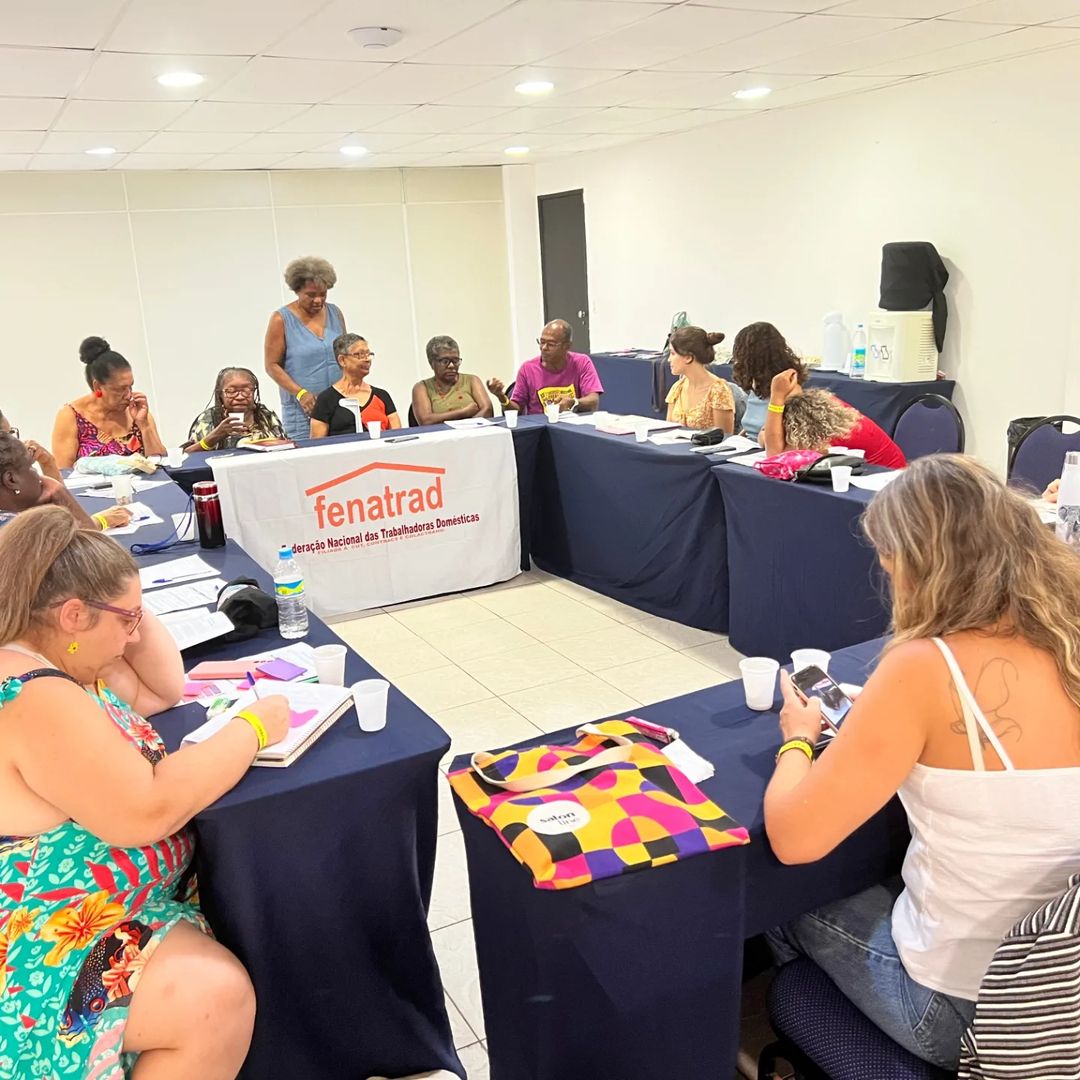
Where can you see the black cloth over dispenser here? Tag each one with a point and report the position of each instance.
(912, 276)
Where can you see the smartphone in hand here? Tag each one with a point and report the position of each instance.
(835, 704)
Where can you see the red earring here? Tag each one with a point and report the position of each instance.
(98, 393)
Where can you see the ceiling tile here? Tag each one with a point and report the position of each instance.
(70, 162)
(193, 142)
(803, 7)
(902, 9)
(280, 143)
(228, 162)
(78, 142)
(375, 141)
(436, 118)
(500, 90)
(234, 116)
(465, 159)
(1012, 43)
(596, 142)
(532, 119)
(13, 162)
(713, 91)
(161, 161)
(628, 87)
(663, 37)
(394, 161)
(41, 72)
(825, 88)
(324, 36)
(533, 29)
(238, 27)
(320, 161)
(908, 43)
(447, 142)
(612, 121)
(534, 140)
(131, 76)
(28, 114)
(342, 117)
(118, 115)
(1019, 12)
(271, 79)
(685, 121)
(20, 142)
(416, 84)
(72, 24)
(1066, 22)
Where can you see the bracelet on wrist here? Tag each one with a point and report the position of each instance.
(102, 521)
(302, 392)
(256, 726)
(204, 444)
(775, 408)
(799, 743)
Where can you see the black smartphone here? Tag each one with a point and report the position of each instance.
(835, 704)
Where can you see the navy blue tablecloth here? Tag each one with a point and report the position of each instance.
(639, 977)
(640, 523)
(629, 380)
(800, 572)
(318, 877)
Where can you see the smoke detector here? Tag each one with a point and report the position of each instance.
(375, 37)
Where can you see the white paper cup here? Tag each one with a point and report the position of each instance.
(374, 429)
(552, 413)
(123, 489)
(511, 418)
(330, 664)
(641, 433)
(174, 459)
(237, 416)
(369, 697)
(804, 658)
(759, 681)
(841, 477)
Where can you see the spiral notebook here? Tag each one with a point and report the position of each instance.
(314, 709)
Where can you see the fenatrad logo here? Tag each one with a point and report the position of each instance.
(418, 488)
(558, 817)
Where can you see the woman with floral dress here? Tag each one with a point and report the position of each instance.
(106, 966)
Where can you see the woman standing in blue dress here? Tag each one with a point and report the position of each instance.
(299, 347)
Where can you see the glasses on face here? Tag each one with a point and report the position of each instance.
(547, 343)
(445, 361)
(361, 355)
(238, 391)
(14, 431)
(135, 617)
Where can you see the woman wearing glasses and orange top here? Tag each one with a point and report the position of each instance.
(330, 416)
(95, 846)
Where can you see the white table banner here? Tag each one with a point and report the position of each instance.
(378, 522)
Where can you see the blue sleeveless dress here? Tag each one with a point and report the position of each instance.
(310, 361)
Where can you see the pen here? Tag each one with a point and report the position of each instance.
(403, 438)
(254, 686)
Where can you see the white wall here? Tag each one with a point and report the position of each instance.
(180, 272)
(781, 216)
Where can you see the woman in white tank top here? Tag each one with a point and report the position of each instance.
(973, 718)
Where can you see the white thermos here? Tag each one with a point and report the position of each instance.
(1068, 522)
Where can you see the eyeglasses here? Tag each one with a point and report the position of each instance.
(361, 355)
(14, 431)
(137, 616)
(237, 391)
(444, 360)
(549, 343)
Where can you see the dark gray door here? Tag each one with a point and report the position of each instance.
(563, 262)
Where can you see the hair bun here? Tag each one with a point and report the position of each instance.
(714, 338)
(92, 348)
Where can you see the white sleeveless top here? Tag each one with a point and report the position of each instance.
(987, 848)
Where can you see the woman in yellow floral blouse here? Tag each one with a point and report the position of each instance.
(699, 399)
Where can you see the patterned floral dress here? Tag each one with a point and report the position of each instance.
(79, 920)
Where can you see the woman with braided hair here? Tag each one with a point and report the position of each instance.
(236, 390)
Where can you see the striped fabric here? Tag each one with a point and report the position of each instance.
(1027, 1020)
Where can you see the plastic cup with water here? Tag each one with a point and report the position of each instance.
(759, 681)
(370, 697)
(804, 658)
(841, 477)
(330, 664)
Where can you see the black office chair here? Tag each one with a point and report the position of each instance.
(412, 418)
(931, 424)
(1040, 451)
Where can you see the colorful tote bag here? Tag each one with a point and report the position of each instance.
(609, 804)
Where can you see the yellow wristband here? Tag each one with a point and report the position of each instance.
(102, 521)
(797, 744)
(204, 444)
(256, 726)
(775, 408)
(301, 393)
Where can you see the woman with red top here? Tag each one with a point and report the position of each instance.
(112, 419)
(330, 416)
(799, 419)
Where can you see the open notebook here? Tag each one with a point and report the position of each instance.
(314, 709)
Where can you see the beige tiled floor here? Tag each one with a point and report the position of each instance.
(500, 665)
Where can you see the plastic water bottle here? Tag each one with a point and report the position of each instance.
(289, 592)
(1068, 521)
(858, 352)
(835, 347)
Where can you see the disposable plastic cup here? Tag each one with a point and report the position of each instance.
(123, 489)
(369, 697)
(511, 416)
(641, 433)
(330, 664)
(841, 477)
(759, 681)
(374, 429)
(804, 658)
(552, 413)
(237, 416)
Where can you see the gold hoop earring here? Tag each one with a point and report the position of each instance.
(73, 648)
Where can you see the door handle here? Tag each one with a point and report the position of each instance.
(582, 315)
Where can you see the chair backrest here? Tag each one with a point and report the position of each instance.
(1040, 453)
(739, 394)
(931, 424)
(412, 418)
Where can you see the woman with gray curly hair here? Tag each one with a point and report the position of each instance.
(799, 419)
(299, 349)
(450, 394)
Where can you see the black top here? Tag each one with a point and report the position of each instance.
(329, 410)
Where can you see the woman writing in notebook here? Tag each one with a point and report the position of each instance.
(972, 717)
(95, 849)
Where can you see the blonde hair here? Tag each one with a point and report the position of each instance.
(968, 553)
(814, 418)
(49, 559)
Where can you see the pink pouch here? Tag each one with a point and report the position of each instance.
(784, 466)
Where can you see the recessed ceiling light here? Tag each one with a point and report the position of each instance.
(179, 80)
(752, 92)
(375, 37)
(101, 151)
(352, 150)
(516, 151)
(535, 87)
